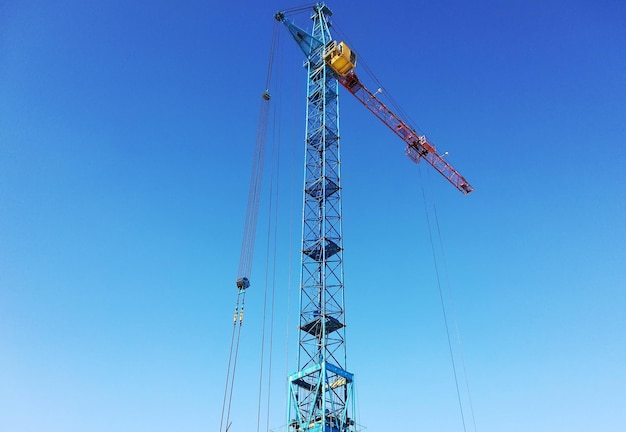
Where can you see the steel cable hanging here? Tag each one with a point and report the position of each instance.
(456, 325)
(238, 314)
(444, 309)
(458, 335)
(271, 248)
(443, 305)
(230, 358)
(270, 282)
(248, 241)
(292, 205)
(277, 135)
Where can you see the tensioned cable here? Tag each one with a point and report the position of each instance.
(230, 357)
(441, 298)
(249, 237)
(230, 397)
(292, 205)
(295, 10)
(267, 273)
(273, 294)
(247, 247)
(271, 248)
(456, 325)
(278, 139)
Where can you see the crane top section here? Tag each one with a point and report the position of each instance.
(306, 41)
(341, 62)
(337, 55)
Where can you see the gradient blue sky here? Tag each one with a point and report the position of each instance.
(126, 138)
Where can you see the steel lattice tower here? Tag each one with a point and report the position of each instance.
(320, 392)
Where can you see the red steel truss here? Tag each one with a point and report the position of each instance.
(418, 146)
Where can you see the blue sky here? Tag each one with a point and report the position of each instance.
(126, 139)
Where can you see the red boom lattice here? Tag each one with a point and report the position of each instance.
(417, 146)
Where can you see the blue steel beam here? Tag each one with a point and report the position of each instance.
(321, 391)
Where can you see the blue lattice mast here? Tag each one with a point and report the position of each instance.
(320, 392)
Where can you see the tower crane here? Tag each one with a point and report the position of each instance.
(321, 396)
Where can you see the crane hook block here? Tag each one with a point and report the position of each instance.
(340, 57)
(243, 283)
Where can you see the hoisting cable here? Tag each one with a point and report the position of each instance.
(271, 247)
(238, 315)
(249, 235)
(270, 260)
(444, 309)
(277, 141)
(292, 205)
(456, 325)
(443, 305)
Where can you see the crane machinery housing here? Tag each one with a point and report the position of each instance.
(321, 392)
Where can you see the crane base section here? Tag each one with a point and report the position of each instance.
(318, 414)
